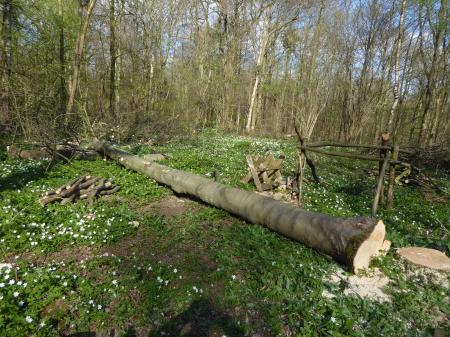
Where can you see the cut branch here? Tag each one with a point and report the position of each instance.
(84, 187)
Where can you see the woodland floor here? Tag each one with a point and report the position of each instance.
(145, 262)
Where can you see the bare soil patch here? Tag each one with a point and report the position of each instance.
(171, 206)
(141, 243)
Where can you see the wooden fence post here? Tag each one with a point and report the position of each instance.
(383, 155)
(390, 193)
(379, 190)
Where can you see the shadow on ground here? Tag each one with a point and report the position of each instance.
(19, 179)
(201, 319)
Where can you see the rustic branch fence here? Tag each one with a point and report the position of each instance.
(388, 161)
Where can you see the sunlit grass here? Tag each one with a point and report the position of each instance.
(77, 268)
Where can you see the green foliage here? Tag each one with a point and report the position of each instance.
(77, 268)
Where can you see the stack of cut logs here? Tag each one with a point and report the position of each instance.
(84, 187)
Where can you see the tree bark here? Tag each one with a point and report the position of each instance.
(351, 241)
(112, 55)
(78, 58)
(396, 84)
(6, 36)
(431, 73)
(379, 192)
(252, 111)
(390, 193)
(62, 61)
(114, 52)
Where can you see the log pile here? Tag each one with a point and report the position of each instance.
(262, 170)
(431, 156)
(82, 188)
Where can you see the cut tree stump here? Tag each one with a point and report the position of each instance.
(351, 241)
(426, 257)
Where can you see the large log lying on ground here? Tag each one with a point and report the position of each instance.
(351, 241)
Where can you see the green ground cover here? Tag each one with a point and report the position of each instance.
(123, 264)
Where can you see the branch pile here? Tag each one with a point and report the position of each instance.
(430, 156)
(82, 188)
(66, 152)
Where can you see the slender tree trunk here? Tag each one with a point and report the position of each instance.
(252, 111)
(62, 61)
(437, 32)
(396, 84)
(78, 59)
(6, 61)
(113, 57)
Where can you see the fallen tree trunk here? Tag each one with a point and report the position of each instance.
(351, 241)
(62, 151)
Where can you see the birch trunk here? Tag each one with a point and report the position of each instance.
(396, 84)
(252, 111)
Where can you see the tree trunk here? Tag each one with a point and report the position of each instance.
(252, 111)
(430, 87)
(6, 36)
(390, 193)
(351, 241)
(78, 58)
(396, 84)
(62, 62)
(113, 56)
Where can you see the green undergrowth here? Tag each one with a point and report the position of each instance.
(122, 264)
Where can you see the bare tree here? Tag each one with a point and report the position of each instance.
(78, 59)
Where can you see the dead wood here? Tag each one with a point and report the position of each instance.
(432, 156)
(390, 193)
(264, 168)
(89, 183)
(308, 160)
(351, 241)
(109, 192)
(72, 187)
(155, 157)
(69, 199)
(379, 189)
(84, 187)
(65, 152)
(49, 199)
